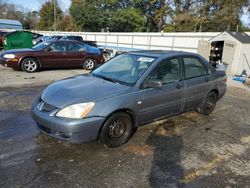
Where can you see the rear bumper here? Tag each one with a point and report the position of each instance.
(70, 130)
(222, 91)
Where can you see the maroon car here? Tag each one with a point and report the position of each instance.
(53, 54)
(2, 33)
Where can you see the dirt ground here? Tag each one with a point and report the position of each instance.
(189, 150)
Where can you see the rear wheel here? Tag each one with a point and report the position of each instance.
(89, 64)
(29, 65)
(209, 104)
(117, 130)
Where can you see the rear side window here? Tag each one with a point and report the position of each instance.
(194, 68)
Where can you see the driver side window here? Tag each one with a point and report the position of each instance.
(167, 71)
(57, 47)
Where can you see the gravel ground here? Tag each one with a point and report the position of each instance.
(189, 150)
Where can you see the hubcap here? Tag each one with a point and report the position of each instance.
(30, 65)
(117, 129)
(89, 64)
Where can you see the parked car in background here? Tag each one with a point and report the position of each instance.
(2, 33)
(52, 54)
(79, 38)
(126, 92)
(47, 38)
(35, 37)
(72, 37)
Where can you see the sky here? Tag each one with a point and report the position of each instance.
(36, 4)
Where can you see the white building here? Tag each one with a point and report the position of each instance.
(10, 24)
(229, 48)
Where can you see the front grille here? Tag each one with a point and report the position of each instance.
(43, 106)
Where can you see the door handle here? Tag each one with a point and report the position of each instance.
(178, 86)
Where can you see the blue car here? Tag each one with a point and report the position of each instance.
(128, 91)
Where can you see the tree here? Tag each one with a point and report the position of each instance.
(31, 20)
(86, 16)
(46, 14)
(11, 11)
(156, 12)
(66, 24)
(225, 14)
(127, 20)
(112, 15)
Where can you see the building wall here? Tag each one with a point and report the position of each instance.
(236, 66)
(244, 60)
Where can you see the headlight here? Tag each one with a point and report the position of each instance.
(9, 56)
(76, 111)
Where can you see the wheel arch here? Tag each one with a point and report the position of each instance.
(25, 57)
(216, 91)
(88, 57)
(124, 110)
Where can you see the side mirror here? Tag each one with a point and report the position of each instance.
(153, 84)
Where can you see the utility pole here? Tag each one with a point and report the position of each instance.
(54, 15)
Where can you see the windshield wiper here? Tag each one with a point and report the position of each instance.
(105, 78)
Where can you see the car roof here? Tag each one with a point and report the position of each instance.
(67, 41)
(160, 53)
(74, 41)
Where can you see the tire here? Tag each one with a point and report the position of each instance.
(89, 64)
(208, 105)
(117, 130)
(29, 65)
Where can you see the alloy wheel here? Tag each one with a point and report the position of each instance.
(30, 65)
(89, 64)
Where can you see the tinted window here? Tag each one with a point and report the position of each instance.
(41, 46)
(167, 71)
(194, 68)
(57, 47)
(78, 38)
(76, 47)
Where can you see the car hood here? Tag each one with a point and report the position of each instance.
(80, 89)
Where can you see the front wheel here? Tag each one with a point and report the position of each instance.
(117, 130)
(29, 65)
(209, 104)
(89, 64)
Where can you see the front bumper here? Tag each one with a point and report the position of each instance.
(71, 130)
(14, 63)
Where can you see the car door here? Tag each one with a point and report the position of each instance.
(54, 55)
(167, 100)
(197, 81)
(76, 53)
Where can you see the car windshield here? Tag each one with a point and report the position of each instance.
(40, 46)
(125, 68)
